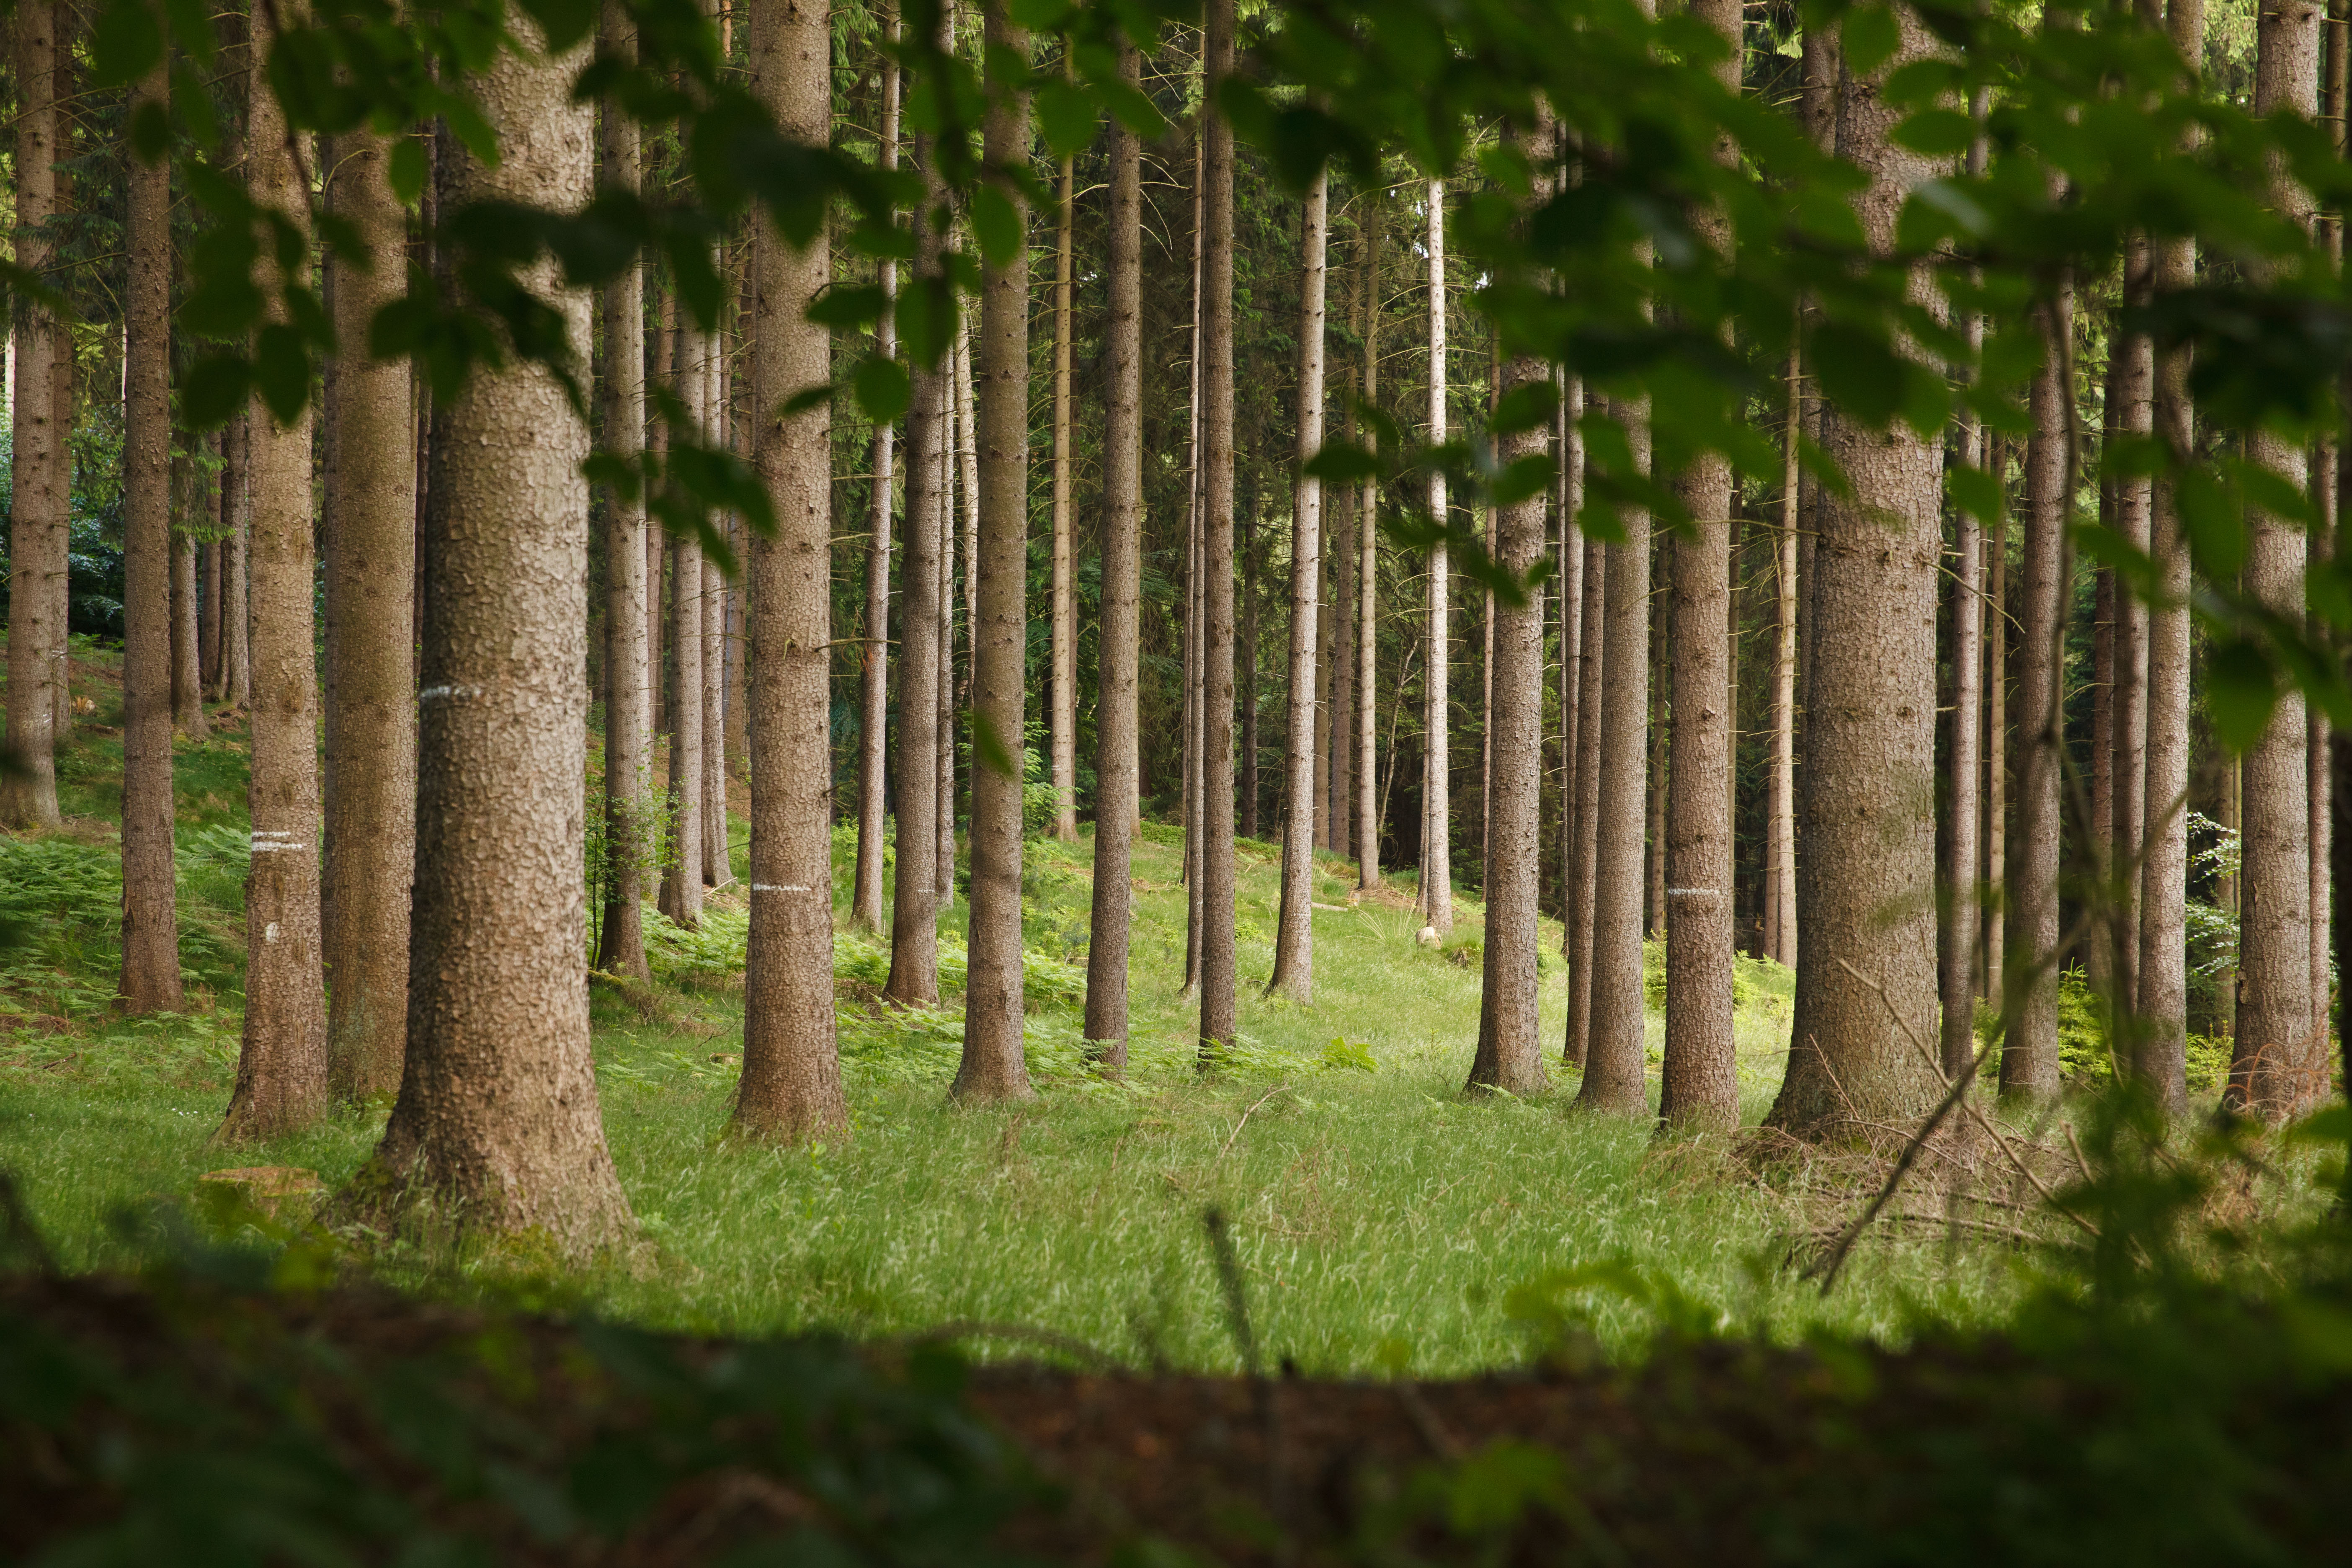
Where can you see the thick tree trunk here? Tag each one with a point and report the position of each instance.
(1294, 943)
(1062, 691)
(1866, 834)
(914, 913)
(873, 676)
(1118, 648)
(282, 1081)
(1614, 1075)
(2277, 1069)
(1436, 780)
(496, 1128)
(1368, 542)
(2029, 1059)
(993, 1068)
(791, 1085)
(629, 695)
(1701, 1078)
(1215, 861)
(36, 538)
(150, 979)
(1585, 857)
(372, 712)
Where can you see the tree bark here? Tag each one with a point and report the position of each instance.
(2277, 1069)
(150, 979)
(1119, 649)
(874, 676)
(790, 1087)
(1569, 440)
(1368, 542)
(36, 541)
(629, 812)
(968, 464)
(1062, 719)
(1294, 943)
(237, 613)
(993, 1068)
(1584, 867)
(187, 659)
(1215, 861)
(681, 894)
(914, 978)
(282, 1081)
(208, 589)
(372, 712)
(2136, 392)
(716, 870)
(1780, 790)
(1436, 796)
(1614, 1073)
(496, 1128)
(1245, 661)
(1866, 836)
(1957, 905)
(1992, 941)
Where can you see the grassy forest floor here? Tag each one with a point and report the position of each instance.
(1382, 1221)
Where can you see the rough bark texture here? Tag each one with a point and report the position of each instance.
(1569, 443)
(1592, 617)
(187, 659)
(2134, 383)
(150, 979)
(791, 1085)
(1368, 542)
(1866, 833)
(208, 588)
(37, 537)
(628, 696)
(1780, 789)
(1436, 781)
(993, 1068)
(1061, 718)
(1700, 1084)
(236, 615)
(873, 674)
(372, 712)
(1294, 943)
(1214, 864)
(1957, 903)
(681, 892)
(1993, 940)
(2160, 1046)
(496, 1128)
(716, 872)
(281, 1071)
(967, 459)
(2277, 1068)
(1118, 655)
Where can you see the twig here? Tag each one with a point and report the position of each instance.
(2081, 1163)
(1237, 1132)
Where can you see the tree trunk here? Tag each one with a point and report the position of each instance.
(2136, 392)
(208, 588)
(874, 676)
(1701, 1075)
(1991, 940)
(2277, 1069)
(914, 913)
(282, 1081)
(1215, 861)
(1614, 1054)
(1510, 1037)
(1119, 651)
(1436, 796)
(967, 461)
(628, 696)
(1866, 837)
(36, 541)
(496, 1128)
(993, 1068)
(237, 570)
(1336, 726)
(1780, 790)
(1653, 841)
(187, 661)
(716, 870)
(151, 947)
(1592, 628)
(2029, 1057)
(1293, 944)
(1569, 440)
(1189, 745)
(1958, 904)
(681, 895)
(661, 370)
(790, 1087)
(371, 711)
(1245, 659)
(1367, 541)
(1062, 721)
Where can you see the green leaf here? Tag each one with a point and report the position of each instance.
(1066, 115)
(126, 42)
(1858, 373)
(808, 397)
(213, 389)
(2215, 523)
(1528, 406)
(1937, 132)
(565, 22)
(1339, 462)
(1870, 36)
(151, 131)
(407, 170)
(996, 223)
(1975, 492)
(858, 306)
(281, 372)
(882, 389)
(988, 746)
(2239, 691)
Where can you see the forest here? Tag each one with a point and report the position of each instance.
(1094, 780)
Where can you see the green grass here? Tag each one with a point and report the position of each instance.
(1382, 1220)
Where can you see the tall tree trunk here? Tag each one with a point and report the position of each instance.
(496, 1126)
(1215, 861)
(1654, 842)
(1245, 661)
(1190, 746)
(2276, 1069)
(1294, 943)
(791, 1085)
(1569, 439)
(208, 588)
(1780, 790)
(187, 661)
(1338, 727)
(1866, 836)
(1614, 1056)
(681, 897)
(1062, 719)
(716, 870)
(36, 539)
(2029, 1057)
(1119, 649)
(1367, 541)
(2136, 417)
(874, 676)
(1992, 938)
(661, 362)
(1957, 906)
(1510, 1036)
(629, 811)
(1436, 793)
(1585, 862)
(967, 463)
(993, 1068)
(1701, 1077)
(282, 1081)
(371, 712)
(151, 947)
(236, 570)
(914, 978)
